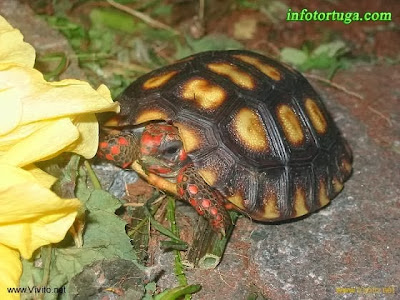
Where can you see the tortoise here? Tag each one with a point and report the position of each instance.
(230, 130)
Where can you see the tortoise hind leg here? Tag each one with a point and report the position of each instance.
(208, 202)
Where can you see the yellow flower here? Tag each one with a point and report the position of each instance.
(38, 121)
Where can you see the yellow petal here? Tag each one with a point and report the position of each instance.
(63, 98)
(10, 109)
(10, 176)
(10, 272)
(13, 181)
(43, 178)
(45, 143)
(13, 49)
(88, 141)
(30, 215)
(19, 133)
(45, 100)
(88, 127)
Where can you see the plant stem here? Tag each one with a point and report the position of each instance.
(92, 176)
(208, 247)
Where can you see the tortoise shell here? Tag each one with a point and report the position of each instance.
(254, 128)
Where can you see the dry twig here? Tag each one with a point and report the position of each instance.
(335, 85)
(145, 18)
(381, 115)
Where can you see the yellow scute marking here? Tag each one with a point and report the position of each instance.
(316, 116)
(114, 121)
(346, 165)
(158, 81)
(191, 140)
(291, 125)
(271, 210)
(337, 185)
(209, 176)
(151, 115)
(300, 202)
(268, 70)
(323, 194)
(207, 95)
(237, 199)
(250, 130)
(238, 76)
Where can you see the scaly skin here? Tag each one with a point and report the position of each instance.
(208, 202)
(155, 152)
(117, 148)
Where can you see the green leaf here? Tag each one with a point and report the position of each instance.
(150, 289)
(104, 238)
(75, 33)
(293, 56)
(158, 226)
(175, 293)
(332, 49)
(162, 10)
(208, 42)
(114, 19)
(325, 56)
(274, 10)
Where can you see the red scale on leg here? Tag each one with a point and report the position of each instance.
(214, 211)
(193, 202)
(181, 191)
(193, 189)
(218, 218)
(179, 177)
(206, 203)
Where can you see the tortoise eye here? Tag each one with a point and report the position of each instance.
(171, 150)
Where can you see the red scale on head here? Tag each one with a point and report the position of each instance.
(122, 141)
(126, 165)
(109, 157)
(103, 145)
(115, 150)
(160, 170)
(182, 155)
(150, 142)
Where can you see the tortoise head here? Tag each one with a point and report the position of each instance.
(161, 150)
(158, 149)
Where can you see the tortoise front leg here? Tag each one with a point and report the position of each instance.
(207, 201)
